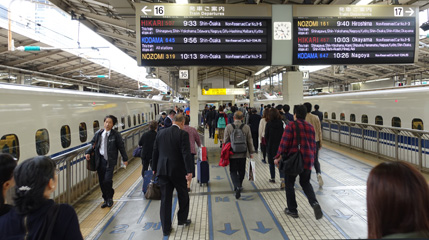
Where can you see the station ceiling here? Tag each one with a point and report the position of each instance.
(115, 21)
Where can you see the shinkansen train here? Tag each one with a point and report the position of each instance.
(45, 121)
(403, 107)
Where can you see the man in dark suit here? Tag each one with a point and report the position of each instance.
(169, 119)
(107, 144)
(173, 164)
(146, 142)
(318, 113)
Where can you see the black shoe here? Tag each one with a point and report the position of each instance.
(317, 210)
(186, 223)
(263, 160)
(292, 214)
(104, 204)
(167, 233)
(272, 181)
(238, 193)
(109, 202)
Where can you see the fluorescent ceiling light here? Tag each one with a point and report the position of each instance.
(364, 2)
(182, 1)
(262, 70)
(378, 80)
(312, 68)
(242, 82)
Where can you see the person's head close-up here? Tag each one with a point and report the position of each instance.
(36, 178)
(7, 165)
(397, 200)
(109, 122)
(300, 111)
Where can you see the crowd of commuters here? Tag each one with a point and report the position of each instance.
(170, 146)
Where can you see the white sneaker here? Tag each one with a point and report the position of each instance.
(319, 179)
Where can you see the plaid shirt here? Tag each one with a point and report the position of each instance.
(289, 142)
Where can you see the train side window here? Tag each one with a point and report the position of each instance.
(143, 118)
(378, 120)
(96, 126)
(135, 120)
(364, 118)
(417, 124)
(9, 144)
(342, 117)
(152, 117)
(352, 118)
(42, 142)
(129, 121)
(333, 116)
(396, 122)
(325, 115)
(123, 122)
(83, 133)
(139, 118)
(65, 136)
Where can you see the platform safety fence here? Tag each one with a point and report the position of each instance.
(391, 143)
(75, 181)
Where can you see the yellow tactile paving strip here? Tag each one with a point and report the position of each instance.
(122, 181)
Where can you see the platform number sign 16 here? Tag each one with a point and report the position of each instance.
(159, 10)
(183, 74)
(398, 11)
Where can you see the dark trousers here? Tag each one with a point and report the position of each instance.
(273, 171)
(167, 185)
(105, 177)
(255, 139)
(145, 164)
(304, 181)
(316, 158)
(237, 169)
(264, 150)
(211, 131)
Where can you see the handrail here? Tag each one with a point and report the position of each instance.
(74, 180)
(390, 143)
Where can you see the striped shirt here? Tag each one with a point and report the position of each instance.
(289, 144)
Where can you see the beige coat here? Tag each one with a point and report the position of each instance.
(246, 130)
(262, 125)
(315, 122)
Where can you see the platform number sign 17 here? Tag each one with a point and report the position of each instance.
(183, 74)
(398, 11)
(159, 10)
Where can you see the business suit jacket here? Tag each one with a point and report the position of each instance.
(114, 145)
(172, 153)
(147, 141)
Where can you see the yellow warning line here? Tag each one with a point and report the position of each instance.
(98, 214)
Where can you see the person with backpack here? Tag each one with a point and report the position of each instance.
(240, 137)
(221, 121)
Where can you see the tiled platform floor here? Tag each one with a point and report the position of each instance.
(216, 214)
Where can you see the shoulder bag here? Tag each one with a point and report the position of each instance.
(90, 164)
(293, 164)
(153, 190)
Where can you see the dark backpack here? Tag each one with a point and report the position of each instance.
(238, 139)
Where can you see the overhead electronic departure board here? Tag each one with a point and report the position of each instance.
(355, 35)
(189, 35)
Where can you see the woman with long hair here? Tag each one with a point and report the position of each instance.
(35, 215)
(397, 202)
(7, 165)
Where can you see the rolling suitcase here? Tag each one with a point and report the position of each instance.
(146, 179)
(203, 173)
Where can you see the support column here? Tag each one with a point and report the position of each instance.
(193, 96)
(81, 88)
(292, 89)
(251, 91)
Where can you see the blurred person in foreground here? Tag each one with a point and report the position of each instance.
(397, 202)
(7, 165)
(35, 215)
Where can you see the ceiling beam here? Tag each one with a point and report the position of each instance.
(33, 57)
(106, 20)
(117, 36)
(57, 63)
(128, 47)
(71, 69)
